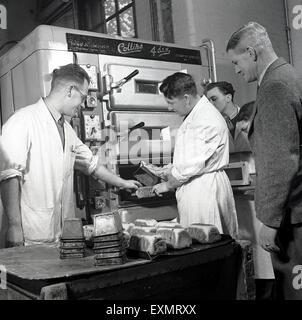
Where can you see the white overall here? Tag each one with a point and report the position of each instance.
(201, 152)
(32, 143)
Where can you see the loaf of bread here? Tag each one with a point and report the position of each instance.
(126, 239)
(168, 224)
(142, 230)
(145, 222)
(176, 238)
(88, 230)
(127, 226)
(153, 244)
(204, 233)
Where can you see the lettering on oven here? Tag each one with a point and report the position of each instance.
(160, 51)
(125, 48)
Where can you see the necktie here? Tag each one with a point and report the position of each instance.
(60, 126)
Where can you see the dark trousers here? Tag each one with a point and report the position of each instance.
(265, 289)
(288, 264)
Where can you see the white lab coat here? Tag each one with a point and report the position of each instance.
(32, 143)
(201, 152)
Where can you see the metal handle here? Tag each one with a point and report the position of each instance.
(124, 80)
(137, 126)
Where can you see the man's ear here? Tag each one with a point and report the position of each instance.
(229, 97)
(69, 90)
(187, 98)
(252, 52)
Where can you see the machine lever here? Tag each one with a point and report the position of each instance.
(124, 80)
(137, 126)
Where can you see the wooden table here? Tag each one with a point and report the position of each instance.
(200, 272)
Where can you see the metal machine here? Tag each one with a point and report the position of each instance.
(125, 120)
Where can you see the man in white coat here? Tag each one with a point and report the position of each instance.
(203, 190)
(43, 150)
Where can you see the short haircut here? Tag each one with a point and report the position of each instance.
(70, 72)
(246, 112)
(177, 85)
(253, 34)
(223, 86)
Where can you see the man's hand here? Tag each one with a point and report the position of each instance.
(14, 236)
(160, 188)
(267, 238)
(130, 185)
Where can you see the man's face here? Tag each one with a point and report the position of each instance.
(76, 98)
(218, 98)
(178, 105)
(244, 64)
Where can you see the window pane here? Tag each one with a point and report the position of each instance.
(109, 6)
(66, 20)
(127, 24)
(123, 3)
(112, 27)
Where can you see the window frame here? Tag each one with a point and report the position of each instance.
(116, 15)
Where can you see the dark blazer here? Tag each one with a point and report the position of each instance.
(275, 137)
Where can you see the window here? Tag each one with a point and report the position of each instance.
(57, 13)
(114, 17)
(120, 18)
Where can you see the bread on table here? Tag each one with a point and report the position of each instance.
(168, 224)
(127, 226)
(153, 244)
(204, 233)
(177, 238)
(145, 222)
(142, 230)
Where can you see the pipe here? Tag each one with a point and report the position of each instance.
(288, 32)
(213, 58)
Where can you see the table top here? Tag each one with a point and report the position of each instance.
(42, 262)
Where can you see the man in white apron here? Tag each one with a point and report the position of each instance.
(43, 150)
(203, 190)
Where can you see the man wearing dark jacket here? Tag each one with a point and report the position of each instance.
(275, 136)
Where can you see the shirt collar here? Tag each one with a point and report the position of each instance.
(232, 116)
(263, 72)
(53, 111)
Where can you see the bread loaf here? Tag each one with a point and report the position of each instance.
(204, 233)
(168, 224)
(145, 222)
(142, 230)
(128, 226)
(152, 244)
(176, 238)
(126, 239)
(88, 231)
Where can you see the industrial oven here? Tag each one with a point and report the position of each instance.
(125, 120)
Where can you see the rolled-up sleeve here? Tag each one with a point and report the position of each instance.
(195, 147)
(14, 147)
(85, 161)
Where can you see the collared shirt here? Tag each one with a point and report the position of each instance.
(263, 72)
(231, 121)
(59, 120)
